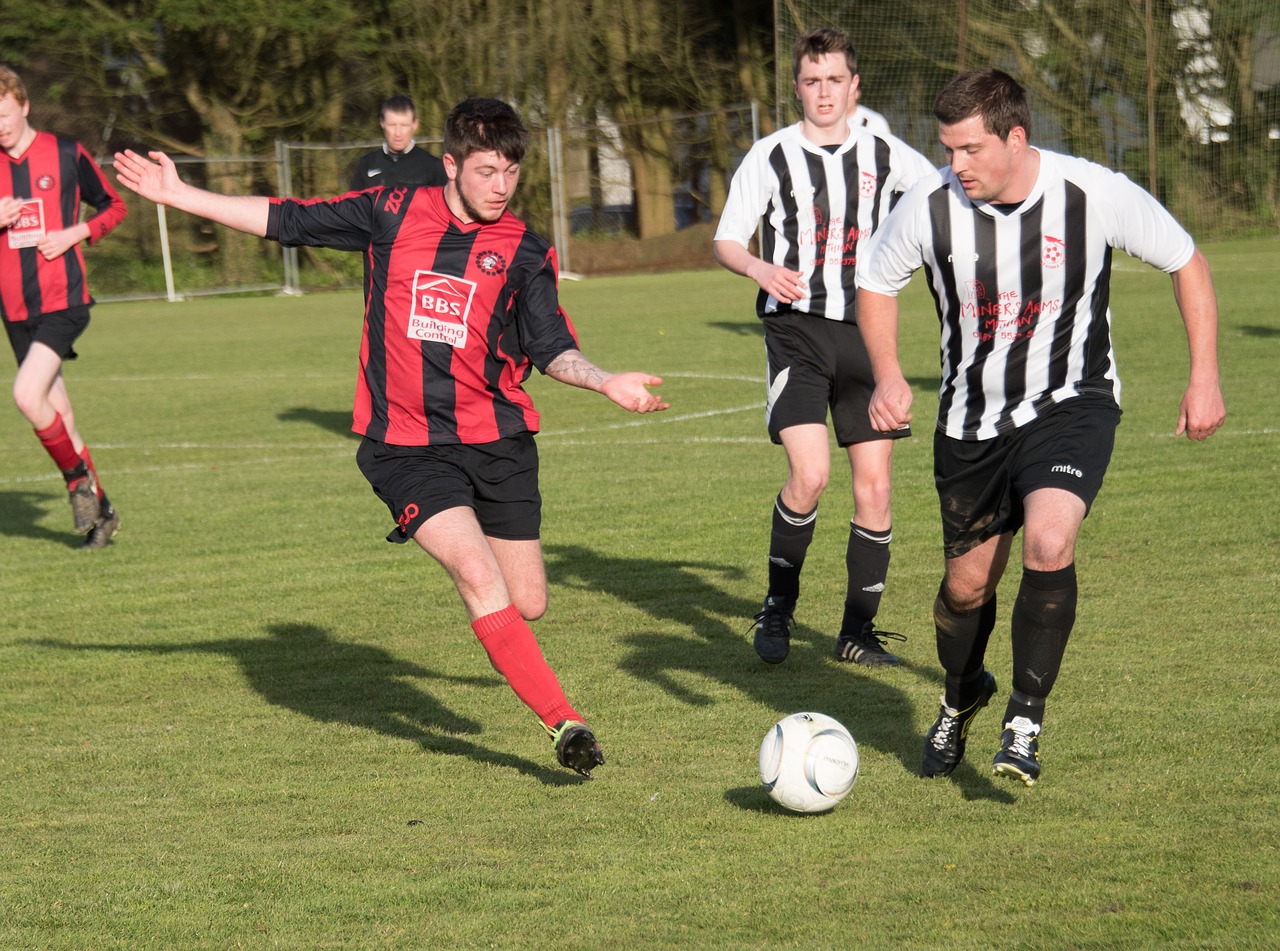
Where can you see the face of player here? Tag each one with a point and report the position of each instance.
(14, 130)
(481, 187)
(399, 129)
(823, 87)
(988, 168)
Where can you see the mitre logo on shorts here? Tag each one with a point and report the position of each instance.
(441, 304)
(1055, 251)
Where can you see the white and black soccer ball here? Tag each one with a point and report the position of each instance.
(808, 762)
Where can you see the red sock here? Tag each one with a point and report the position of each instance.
(88, 462)
(57, 444)
(515, 654)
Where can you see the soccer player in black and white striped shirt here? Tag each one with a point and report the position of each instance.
(822, 189)
(1016, 242)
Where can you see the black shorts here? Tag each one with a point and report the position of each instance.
(816, 365)
(499, 480)
(981, 483)
(57, 331)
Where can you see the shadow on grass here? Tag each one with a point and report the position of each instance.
(752, 327)
(302, 668)
(335, 421)
(690, 598)
(20, 514)
(1260, 330)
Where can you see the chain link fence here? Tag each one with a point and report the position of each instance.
(578, 188)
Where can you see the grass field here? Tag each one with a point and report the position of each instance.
(251, 723)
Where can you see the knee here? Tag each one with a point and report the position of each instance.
(531, 605)
(871, 501)
(1049, 551)
(805, 488)
(26, 399)
(963, 596)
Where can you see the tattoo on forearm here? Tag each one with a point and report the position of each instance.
(573, 367)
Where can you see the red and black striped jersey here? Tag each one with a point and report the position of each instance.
(456, 314)
(54, 176)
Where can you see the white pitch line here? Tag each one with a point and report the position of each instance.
(168, 467)
(650, 419)
(560, 436)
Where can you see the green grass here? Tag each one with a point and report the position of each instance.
(251, 723)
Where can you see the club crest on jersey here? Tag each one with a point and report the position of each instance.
(491, 263)
(46, 183)
(441, 305)
(866, 185)
(1055, 251)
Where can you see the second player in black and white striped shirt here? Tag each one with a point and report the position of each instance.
(821, 190)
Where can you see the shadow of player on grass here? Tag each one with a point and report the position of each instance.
(302, 668)
(705, 634)
(21, 512)
(337, 422)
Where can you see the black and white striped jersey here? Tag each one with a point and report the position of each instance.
(1022, 294)
(819, 205)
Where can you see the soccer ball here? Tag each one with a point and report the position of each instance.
(808, 762)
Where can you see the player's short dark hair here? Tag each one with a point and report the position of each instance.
(815, 43)
(990, 93)
(484, 125)
(11, 85)
(397, 103)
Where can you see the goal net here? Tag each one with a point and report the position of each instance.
(1181, 95)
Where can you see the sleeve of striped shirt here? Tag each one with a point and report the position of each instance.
(545, 329)
(1138, 224)
(897, 249)
(914, 166)
(95, 190)
(748, 198)
(345, 223)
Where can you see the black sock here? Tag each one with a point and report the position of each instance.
(1043, 617)
(962, 638)
(867, 562)
(788, 543)
(1022, 705)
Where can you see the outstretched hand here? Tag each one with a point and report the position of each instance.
(631, 392)
(156, 179)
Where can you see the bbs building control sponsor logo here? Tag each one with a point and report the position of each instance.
(441, 306)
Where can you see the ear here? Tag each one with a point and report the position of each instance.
(450, 166)
(855, 89)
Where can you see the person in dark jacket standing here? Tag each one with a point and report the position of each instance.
(400, 161)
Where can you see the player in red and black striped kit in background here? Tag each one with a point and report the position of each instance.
(460, 304)
(44, 295)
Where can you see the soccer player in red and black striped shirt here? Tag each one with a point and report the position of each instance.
(44, 295)
(460, 305)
